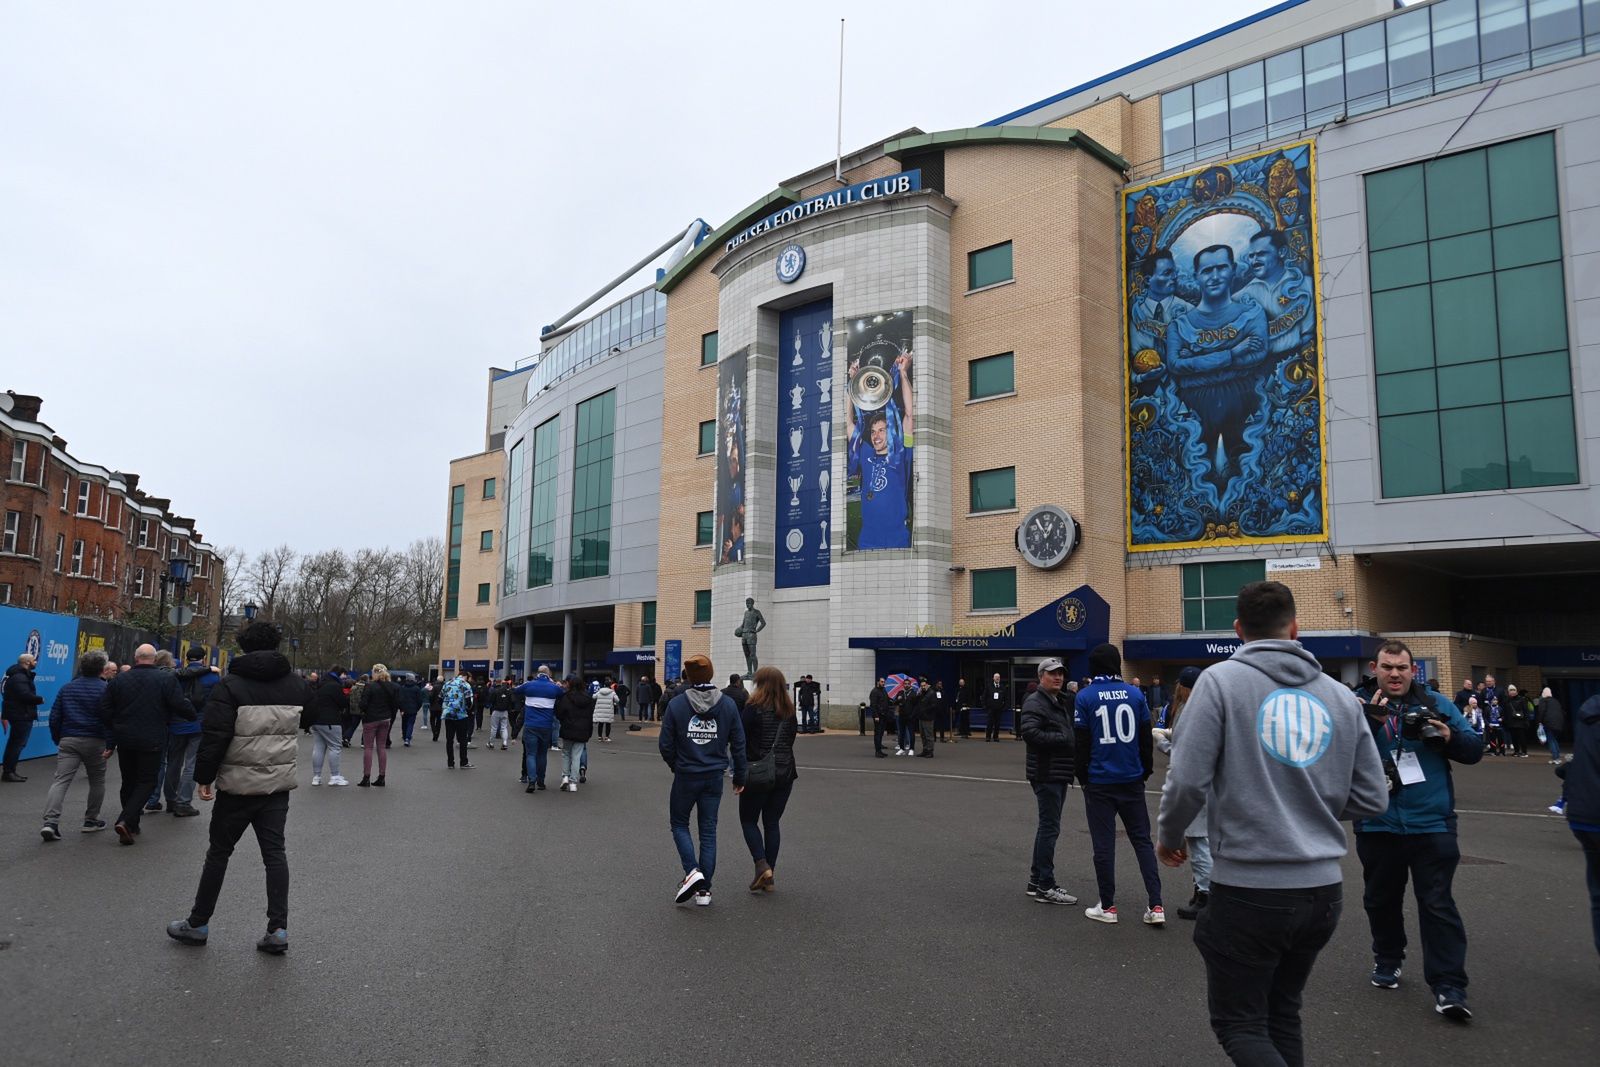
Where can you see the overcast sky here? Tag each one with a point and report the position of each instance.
(262, 254)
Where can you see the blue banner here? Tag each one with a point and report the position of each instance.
(52, 639)
(805, 445)
(674, 657)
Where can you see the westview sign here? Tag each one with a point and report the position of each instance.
(877, 189)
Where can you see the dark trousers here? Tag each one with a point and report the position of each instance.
(602, 729)
(925, 729)
(1051, 796)
(350, 725)
(16, 742)
(408, 725)
(437, 724)
(456, 732)
(1259, 946)
(1430, 861)
(991, 726)
(879, 725)
(964, 722)
(516, 721)
(762, 810)
(1104, 804)
(230, 816)
(1519, 739)
(139, 771)
(178, 779)
(906, 731)
(1591, 855)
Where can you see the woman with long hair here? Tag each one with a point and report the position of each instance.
(380, 699)
(1196, 837)
(769, 727)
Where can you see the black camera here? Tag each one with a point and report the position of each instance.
(1421, 724)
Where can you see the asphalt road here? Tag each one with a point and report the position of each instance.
(452, 919)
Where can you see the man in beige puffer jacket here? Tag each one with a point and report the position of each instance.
(246, 762)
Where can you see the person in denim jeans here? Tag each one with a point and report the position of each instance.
(1047, 731)
(700, 732)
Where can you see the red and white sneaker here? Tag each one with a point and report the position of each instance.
(1156, 916)
(1102, 915)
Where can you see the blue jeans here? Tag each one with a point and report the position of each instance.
(574, 754)
(181, 751)
(535, 752)
(702, 792)
(408, 725)
(1200, 861)
(1051, 796)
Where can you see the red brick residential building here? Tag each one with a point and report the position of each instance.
(82, 539)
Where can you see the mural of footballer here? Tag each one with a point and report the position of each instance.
(881, 454)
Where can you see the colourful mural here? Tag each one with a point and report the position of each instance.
(1223, 354)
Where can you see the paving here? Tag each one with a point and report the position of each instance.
(452, 919)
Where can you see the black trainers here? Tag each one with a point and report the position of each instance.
(1033, 889)
(180, 930)
(1386, 975)
(50, 832)
(1452, 1004)
(274, 942)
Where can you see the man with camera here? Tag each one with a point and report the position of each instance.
(1419, 733)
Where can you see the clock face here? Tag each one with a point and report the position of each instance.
(791, 262)
(1046, 536)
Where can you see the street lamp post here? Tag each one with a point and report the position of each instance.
(180, 569)
(351, 636)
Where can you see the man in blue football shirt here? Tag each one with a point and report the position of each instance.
(1114, 753)
(882, 459)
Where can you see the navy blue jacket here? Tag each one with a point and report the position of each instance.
(700, 731)
(76, 711)
(22, 700)
(1428, 806)
(1582, 775)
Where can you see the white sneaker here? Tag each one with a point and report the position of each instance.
(572, 787)
(702, 899)
(338, 779)
(316, 779)
(1102, 915)
(691, 882)
(899, 752)
(565, 781)
(1156, 916)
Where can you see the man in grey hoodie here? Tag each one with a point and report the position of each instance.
(1300, 760)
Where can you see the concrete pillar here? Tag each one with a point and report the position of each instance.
(527, 648)
(566, 644)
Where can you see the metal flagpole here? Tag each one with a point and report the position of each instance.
(838, 158)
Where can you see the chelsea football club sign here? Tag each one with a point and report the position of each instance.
(877, 189)
(791, 263)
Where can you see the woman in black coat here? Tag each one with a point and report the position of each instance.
(769, 726)
(380, 700)
(575, 712)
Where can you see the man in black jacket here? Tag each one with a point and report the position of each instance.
(19, 710)
(135, 710)
(929, 701)
(996, 702)
(882, 716)
(1047, 731)
(736, 692)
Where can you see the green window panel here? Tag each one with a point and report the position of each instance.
(1211, 591)
(993, 490)
(1458, 194)
(1396, 208)
(702, 607)
(991, 376)
(1527, 242)
(1473, 444)
(1409, 445)
(591, 488)
(1522, 179)
(1402, 394)
(452, 581)
(488, 489)
(1395, 268)
(647, 624)
(1541, 443)
(702, 528)
(483, 592)
(1532, 377)
(486, 541)
(1457, 257)
(546, 462)
(994, 589)
(708, 437)
(708, 349)
(1469, 384)
(1402, 329)
(989, 266)
(515, 521)
(1533, 309)
(1464, 320)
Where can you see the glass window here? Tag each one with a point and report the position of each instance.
(1591, 25)
(1555, 29)
(1402, 329)
(1410, 65)
(488, 489)
(1413, 443)
(1247, 105)
(989, 266)
(647, 624)
(1396, 207)
(1533, 311)
(1541, 443)
(1502, 36)
(546, 462)
(8, 542)
(486, 541)
(1286, 98)
(991, 376)
(1177, 126)
(591, 487)
(1324, 61)
(1455, 44)
(1365, 79)
(708, 437)
(515, 518)
(1458, 194)
(708, 349)
(994, 589)
(19, 460)
(1402, 394)
(993, 490)
(1211, 116)
(1532, 377)
(1464, 320)
(1469, 384)
(83, 497)
(702, 607)
(483, 592)
(1211, 592)
(1522, 180)
(476, 638)
(1472, 442)
(702, 528)
(1455, 257)
(1528, 242)
(1394, 268)
(452, 577)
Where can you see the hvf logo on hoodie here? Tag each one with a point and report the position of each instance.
(702, 731)
(1294, 727)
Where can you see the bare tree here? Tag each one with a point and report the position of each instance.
(268, 573)
(230, 578)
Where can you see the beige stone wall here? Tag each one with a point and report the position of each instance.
(688, 480)
(1061, 319)
(626, 619)
(477, 566)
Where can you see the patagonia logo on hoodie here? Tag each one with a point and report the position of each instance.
(1294, 727)
(702, 731)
